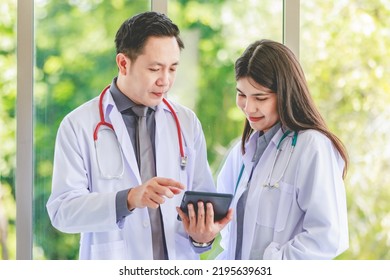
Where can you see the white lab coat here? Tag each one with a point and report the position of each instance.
(83, 202)
(305, 218)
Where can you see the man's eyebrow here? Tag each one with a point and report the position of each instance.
(162, 64)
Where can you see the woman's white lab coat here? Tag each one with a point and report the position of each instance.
(83, 202)
(305, 217)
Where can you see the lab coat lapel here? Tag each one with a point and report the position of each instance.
(260, 175)
(114, 117)
(247, 161)
(167, 146)
(167, 165)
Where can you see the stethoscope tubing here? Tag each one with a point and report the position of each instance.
(101, 114)
(177, 126)
(103, 122)
(278, 150)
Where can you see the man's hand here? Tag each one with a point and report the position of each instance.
(202, 227)
(153, 192)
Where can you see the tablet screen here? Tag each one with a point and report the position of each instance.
(221, 202)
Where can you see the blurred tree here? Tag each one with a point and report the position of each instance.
(75, 60)
(7, 128)
(223, 36)
(345, 53)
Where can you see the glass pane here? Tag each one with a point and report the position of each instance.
(215, 33)
(75, 60)
(345, 53)
(7, 129)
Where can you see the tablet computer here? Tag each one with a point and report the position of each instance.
(221, 202)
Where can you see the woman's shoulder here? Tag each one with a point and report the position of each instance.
(314, 136)
(314, 141)
(233, 152)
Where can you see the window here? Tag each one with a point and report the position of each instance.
(73, 55)
(345, 53)
(213, 41)
(75, 59)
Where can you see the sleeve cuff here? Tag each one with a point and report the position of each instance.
(121, 205)
(200, 248)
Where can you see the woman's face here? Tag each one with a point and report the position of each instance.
(258, 103)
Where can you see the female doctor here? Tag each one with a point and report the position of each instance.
(287, 171)
(97, 188)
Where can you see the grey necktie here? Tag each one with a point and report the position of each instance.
(148, 171)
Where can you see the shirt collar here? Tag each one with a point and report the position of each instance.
(263, 140)
(122, 102)
(270, 133)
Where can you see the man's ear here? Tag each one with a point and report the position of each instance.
(123, 63)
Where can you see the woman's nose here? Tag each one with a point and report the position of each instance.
(250, 106)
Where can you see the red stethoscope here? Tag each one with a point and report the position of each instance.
(183, 157)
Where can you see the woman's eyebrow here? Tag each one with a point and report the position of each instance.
(260, 93)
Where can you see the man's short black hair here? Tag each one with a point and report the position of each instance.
(133, 33)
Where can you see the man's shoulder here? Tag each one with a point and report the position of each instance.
(88, 106)
(175, 104)
(85, 112)
(182, 110)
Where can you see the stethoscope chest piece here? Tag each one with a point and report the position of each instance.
(183, 162)
(268, 185)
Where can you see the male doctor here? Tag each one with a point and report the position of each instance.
(98, 188)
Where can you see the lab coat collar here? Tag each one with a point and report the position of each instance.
(113, 116)
(278, 135)
(250, 145)
(122, 102)
(165, 107)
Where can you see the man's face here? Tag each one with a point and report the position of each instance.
(147, 79)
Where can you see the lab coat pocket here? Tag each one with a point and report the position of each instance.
(274, 206)
(112, 250)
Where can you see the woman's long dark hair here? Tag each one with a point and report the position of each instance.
(274, 66)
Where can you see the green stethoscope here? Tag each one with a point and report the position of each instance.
(278, 150)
